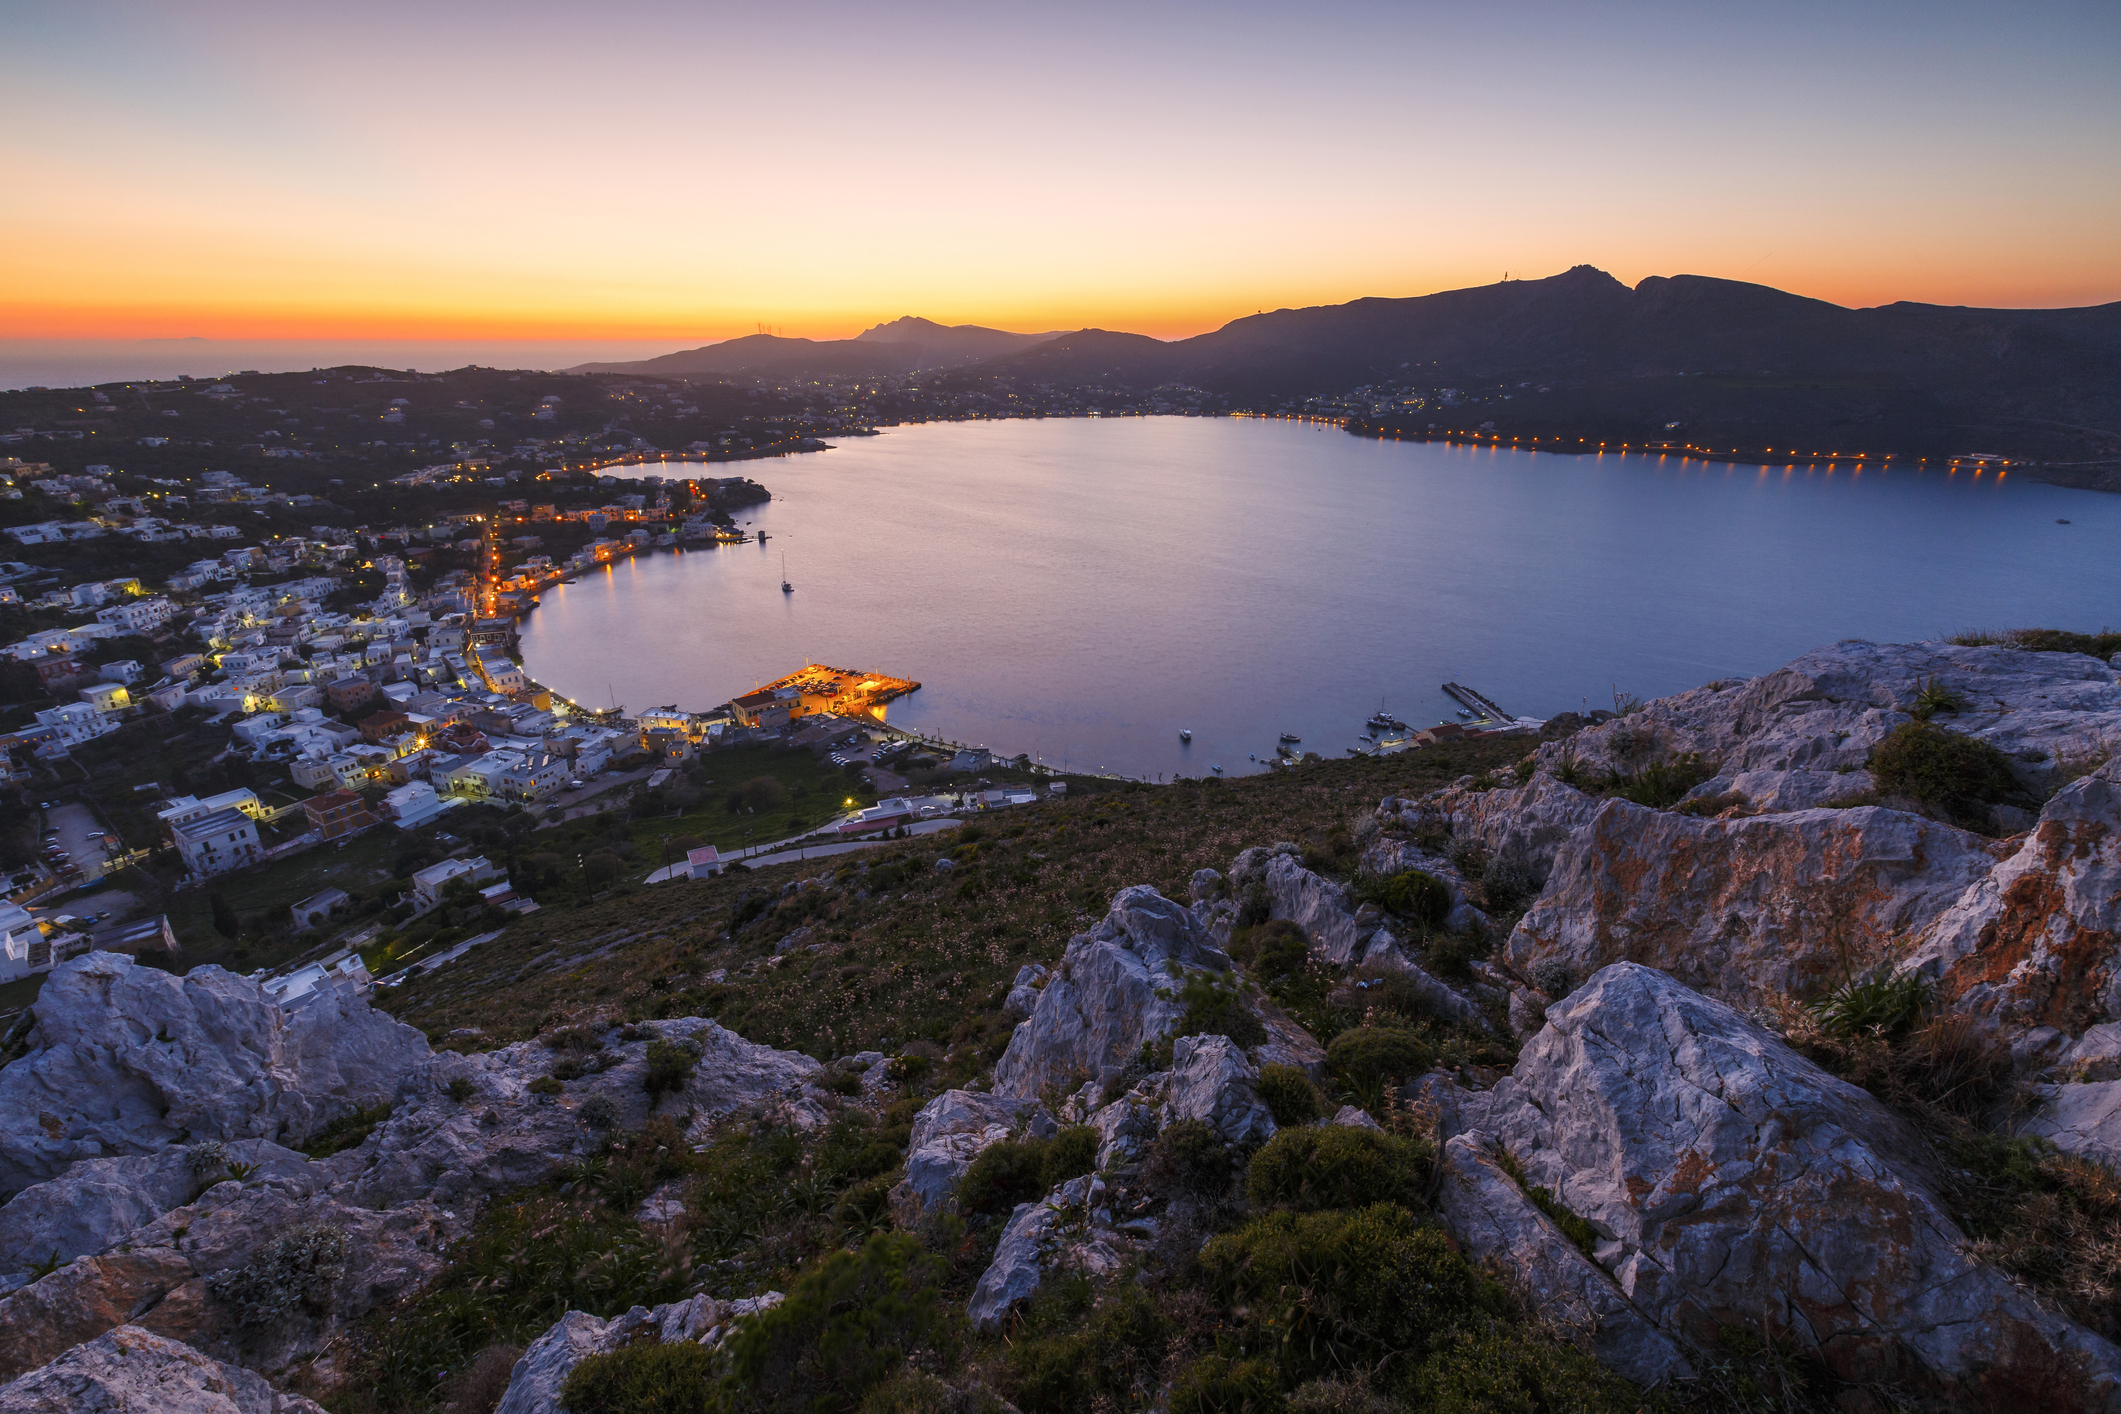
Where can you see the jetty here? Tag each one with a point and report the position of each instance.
(1466, 697)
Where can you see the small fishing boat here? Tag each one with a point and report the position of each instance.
(1185, 734)
(2060, 521)
(1216, 769)
(1290, 736)
(786, 587)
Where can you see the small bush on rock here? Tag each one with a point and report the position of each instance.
(294, 1270)
(1415, 895)
(670, 1065)
(1368, 1058)
(1339, 1166)
(1491, 1365)
(1024, 1170)
(546, 1085)
(598, 1112)
(1880, 1005)
(461, 1089)
(1215, 1006)
(1953, 773)
(1112, 1361)
(678, 1378)
(1289, 1095)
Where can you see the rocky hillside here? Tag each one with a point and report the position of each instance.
(1747, 1050)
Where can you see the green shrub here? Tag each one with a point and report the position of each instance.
(1338, 1166)
(1881, 1004)
(460, 1089)
(291, 1271)
(1215, 1006)
(1345, 1291)
(1417, 896)
(546, 1085)
(1279, 949)
(1025, 1170)
(865, 1207)
(1661, 784)
(670, 1065)
(1947, 770)
(644, 1379)
(848, 1324)
(1368, 1058)
(1289, 1095)
(1489, 1365)
(1188, 1157)
(1214, 1385)
(1935, 697)
(1114, 1359)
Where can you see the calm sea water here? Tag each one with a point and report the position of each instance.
(1082, 589)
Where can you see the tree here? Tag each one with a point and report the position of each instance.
(601, 868)
(224, 916)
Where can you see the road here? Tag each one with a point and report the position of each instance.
(75, 822)
(819, 850)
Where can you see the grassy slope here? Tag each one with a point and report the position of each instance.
(920, 955)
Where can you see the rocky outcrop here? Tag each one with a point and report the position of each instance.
(1069, 1227)
(1766, 905)
(127, 1059)
(1211, 1081)
(505, 1135)
(1485, 1210)
(127, 1370)
(99, 1202)
(534, 1385)
(1319, 906)
(1023, 992)
(1728, 1178)
(1528, 824)
(1116, 988)
(2037, 942)
(950, 1132)
(1826, 710)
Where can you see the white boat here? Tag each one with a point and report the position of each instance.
(1185, 734)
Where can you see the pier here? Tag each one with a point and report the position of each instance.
(1466, 697)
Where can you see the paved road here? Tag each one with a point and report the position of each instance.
(74, 821)
(820, 850)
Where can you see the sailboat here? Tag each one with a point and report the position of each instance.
(786, 587)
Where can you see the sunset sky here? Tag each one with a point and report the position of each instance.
(688, 171)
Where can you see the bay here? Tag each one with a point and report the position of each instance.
(1081, 589)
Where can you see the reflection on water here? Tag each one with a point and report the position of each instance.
(1083, 590)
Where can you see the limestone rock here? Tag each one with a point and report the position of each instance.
(1023, 993)
(2037, 942)
(1496, 1223)
(128, 1059)
(2082, 1119)
(1129, 1125)
(1529, 823)
(1354, 1117)
(1319, 907)
(1205, 886)
(1773, 792)
(1028, 1246)
(1726, 1174)
(950, 1132)
(1767, 905)
(1826, 710)
(540, 1374)
(1111, 993)
(1211, 1081)
(99, 1202)
(81, 1301)
(131, 1371)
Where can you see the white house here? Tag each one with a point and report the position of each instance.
(217, 843)
(138, 615)
(705, 862)
(107, 696)
(76, 722)
(428, 883)
(183, 809)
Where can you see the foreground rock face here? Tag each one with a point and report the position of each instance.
(1211, 1081)
(2037, 943)
(951, 1131)
(1826, 710)
(128, 1059)
(1771, 904)
(1111, 993)
(131, 1371)
(1729, 1178)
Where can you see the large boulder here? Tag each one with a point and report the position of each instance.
(1069, 1226)
(541, 1372)
(1826, 710)
(1116, 988)
(128, 1370)
(126, 1059)
(2036, 942)
(1527, 824)
(1212, 1081)
(99, 1202)
(1496, 1222)
(1761, 906)
(1729, 1179)
(951, 1131)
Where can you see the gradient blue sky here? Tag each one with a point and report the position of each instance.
(653, 170)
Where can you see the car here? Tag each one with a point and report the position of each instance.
(576, 785)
